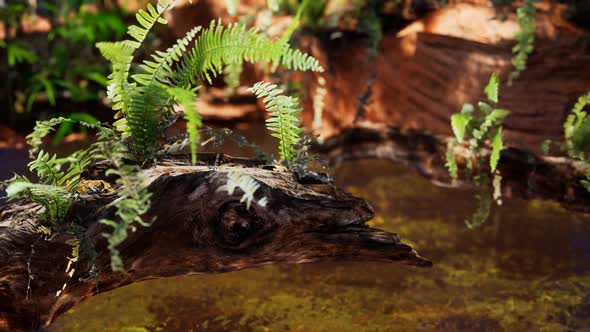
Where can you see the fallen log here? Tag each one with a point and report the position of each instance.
(197, 229)
(524, 174)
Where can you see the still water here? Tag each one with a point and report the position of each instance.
(526, 269)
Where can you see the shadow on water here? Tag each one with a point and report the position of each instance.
(528, 267)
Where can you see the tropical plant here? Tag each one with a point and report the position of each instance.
(525, 38)
(144, 103)
(284, 118)
(476, 130)
(577, 134)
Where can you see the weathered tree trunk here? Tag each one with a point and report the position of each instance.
(524, 174)
(197, 229)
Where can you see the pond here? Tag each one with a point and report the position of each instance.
(526, 268)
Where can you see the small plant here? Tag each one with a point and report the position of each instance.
(525, 38)
(577, 134)
(477, 130)
(284, 118)
(144, 104)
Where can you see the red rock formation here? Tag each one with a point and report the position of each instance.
(428, 70)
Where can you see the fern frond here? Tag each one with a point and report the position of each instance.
(582, 102)
(284, 117)
(218, 46)
(575, 128)
(525, 37)
(120, 54)
(143, 119)
(54, 199)
(160, 68)
(497, 146)
(47, 168)
(44, 128)
(186, 99)
(133, 201)
(451, 161)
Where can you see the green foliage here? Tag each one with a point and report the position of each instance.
(525, 38)
(577, 134)
(451, 161)
(144, 105)
(218, 46)
(64, 67)
(478, 129)
(133, 201)
(44, 128)
(577, 129)
(19, 53)
(186, 98)
(284, 117)
(484, 202)
(55, 200)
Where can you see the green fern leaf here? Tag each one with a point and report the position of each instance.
(497, 146)
(492, 89)
(218, 46)
(186, 98)
(525, 38)
(160, 69)
(459, 123)
(54, 199)
(284, 117)
(451, 161)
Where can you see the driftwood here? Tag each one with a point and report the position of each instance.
(197, 229)
(524, 174)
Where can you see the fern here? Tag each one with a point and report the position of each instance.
(218, 46)
(55, 200)
(143, 119)
(525, 37)
(160, 69)
(186, 98)
(484, 203)
(284, 117)
(120, 54)
(577, 128)
(133, 201)
(44, 128)
(451, 162)
(479, 129)
(497, 146)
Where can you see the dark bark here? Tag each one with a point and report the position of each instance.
(524, 174)
(197, 229)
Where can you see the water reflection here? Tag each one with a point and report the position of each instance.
(527, 268)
